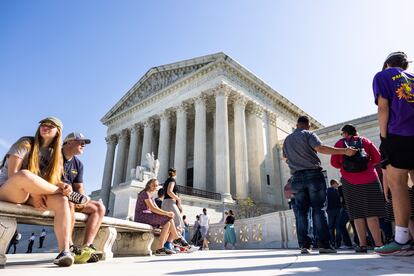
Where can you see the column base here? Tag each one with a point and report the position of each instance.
(227, 198)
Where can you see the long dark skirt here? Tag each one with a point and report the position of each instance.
(363, 200)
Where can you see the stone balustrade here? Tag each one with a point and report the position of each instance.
(273, 230)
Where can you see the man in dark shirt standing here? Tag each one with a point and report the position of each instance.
(74, 144)
(308, 182)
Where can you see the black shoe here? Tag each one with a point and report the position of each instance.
(163, 252)
(64, 259)
(327, 250)
(361, 249)
(78, 198)
(181, 241)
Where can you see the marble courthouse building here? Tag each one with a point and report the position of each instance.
(213, 120)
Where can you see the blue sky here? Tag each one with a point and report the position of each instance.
(75, 59)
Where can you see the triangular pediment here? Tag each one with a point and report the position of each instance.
(158, 78)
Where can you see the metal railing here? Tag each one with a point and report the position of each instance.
(186, 190)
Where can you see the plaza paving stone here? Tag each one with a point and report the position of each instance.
(219, 262)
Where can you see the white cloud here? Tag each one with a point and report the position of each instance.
(4, 144)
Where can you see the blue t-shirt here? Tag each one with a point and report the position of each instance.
(73, 170)
(299, 149)
(397, 86)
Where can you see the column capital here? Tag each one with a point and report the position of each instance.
(134, 129)
(165, 115)
(123, 134)
(255, 109)
(222, 90)
(200, 100)
(241, 100)
(272, 117)
(111, 140)
(149, 122)
(182, 108)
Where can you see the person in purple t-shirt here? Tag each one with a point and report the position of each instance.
(394, 94)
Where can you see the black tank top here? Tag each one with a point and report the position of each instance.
(165, 186)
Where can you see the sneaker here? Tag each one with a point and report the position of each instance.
(181, 242)
(192, 249)
(396, 249)
(327, 250)
(95, 255)
(304, 250)
(81, 255)
(63, 259)
(78, 198)
(345, 247)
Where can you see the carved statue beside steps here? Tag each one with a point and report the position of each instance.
(149, 170)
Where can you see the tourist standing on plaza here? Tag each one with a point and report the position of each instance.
(146, 211)
(171, 202)
(31, 242)
(337, 229)
(308, 182)
(158, 200)
(229, 232)
(42, 238)
(361, 187)
(31, 174)
(186, 228)
(74, 144)
(197, 239)
(393, 92)
(204, 224)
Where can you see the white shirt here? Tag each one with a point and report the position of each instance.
(32, 238)
(204, 220)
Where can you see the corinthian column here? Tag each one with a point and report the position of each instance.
(221, 134)
(240, 146)
(180, 158)
(164, 145)
(120, 158)
(255, 150)
(147, 143)
(109, 166)
(200, 143)
(133, 150)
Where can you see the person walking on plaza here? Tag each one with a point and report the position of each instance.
(308, 182)
(14, 242)
(394, 94)
(204, 224)
(229, 232)
(361, 187)
(74, 144)
(171, 202)
(31, 242)
(42, 238)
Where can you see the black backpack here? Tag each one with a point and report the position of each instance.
(358, 162)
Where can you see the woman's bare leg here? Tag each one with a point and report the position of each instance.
(18, 187)
(173, 232)
(373, 225)
(62, 221)
(361, 231)
(164, 234)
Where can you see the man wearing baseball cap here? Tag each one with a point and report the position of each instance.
(74, 144)
(394, 94)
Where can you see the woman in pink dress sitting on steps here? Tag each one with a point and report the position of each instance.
(146, 211)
